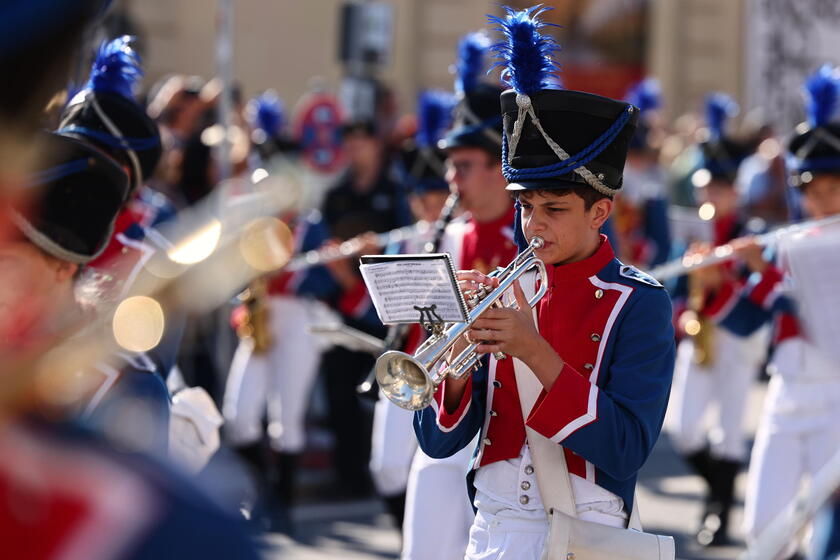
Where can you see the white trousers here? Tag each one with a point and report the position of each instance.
(438, 514)
(792, 443)
(393, 446)
(277, 383)
(722, 388)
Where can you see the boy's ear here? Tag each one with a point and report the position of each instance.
(600, 211)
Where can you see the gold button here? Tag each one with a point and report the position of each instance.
(595, 337)
(525, 485)
(599, 293)
(493, 413)
(124, 250)
(529, 469)
(524, 500)
(570, 556)
(588, 366)
(486, 441)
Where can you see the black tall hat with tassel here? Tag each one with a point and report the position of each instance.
(72, 199)
(815, 149)
(721, 154)
(555, 138)
(421, 160)
(477, 121)
(106, 114)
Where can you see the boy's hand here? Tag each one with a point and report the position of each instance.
(507, 329)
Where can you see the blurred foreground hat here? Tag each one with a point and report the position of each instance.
(71, 200)
(106, 113)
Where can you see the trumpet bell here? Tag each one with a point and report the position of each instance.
(404, 380)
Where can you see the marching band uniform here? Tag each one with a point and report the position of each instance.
(473, 245)
(106, 115)
(272, 372)
(421, 169)
(798, 431)
(718, 364)
(608, 403)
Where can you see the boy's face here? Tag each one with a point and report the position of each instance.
(570, 232)
(821, 197)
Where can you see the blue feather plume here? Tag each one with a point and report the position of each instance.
(472, 51)
(434, 114)
(719, 107)
(268, 113)
(646, 95)
(822, 91)
(116, 68)
(525, 54)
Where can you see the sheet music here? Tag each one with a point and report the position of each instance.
(411, 288)
(814, 262)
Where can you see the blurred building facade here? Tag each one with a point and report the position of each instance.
(759, 51)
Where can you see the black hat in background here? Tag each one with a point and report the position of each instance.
(71, 200)
(477, 121)
(815, 148)
(647, 97)
(267, 118)
(422, 162)
(721, 154)
(106, 114)
(555, 138)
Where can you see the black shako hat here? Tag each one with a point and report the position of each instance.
(106, 114)
(421, 162)
(477, 122)
(815, 148)
(720, 154)
(554, 138)
(71, 200)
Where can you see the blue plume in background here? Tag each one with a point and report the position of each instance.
(646, 95)
(268, 113)
(434, 114)
(525, 54)
(719, 107)
(472, 50)
(116, 68)
(822, 91)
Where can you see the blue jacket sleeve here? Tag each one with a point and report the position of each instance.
(441, 434)
(618, 433)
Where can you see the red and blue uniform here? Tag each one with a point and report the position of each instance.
(612, 326)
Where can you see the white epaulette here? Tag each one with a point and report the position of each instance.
(634, 273)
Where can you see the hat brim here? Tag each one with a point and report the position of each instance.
(544, 185)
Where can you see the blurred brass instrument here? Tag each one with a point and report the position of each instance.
(254, 324)
(410, 381)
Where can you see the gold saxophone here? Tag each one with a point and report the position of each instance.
(254, 324)
(698, 327)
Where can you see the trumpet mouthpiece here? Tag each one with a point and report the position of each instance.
(537, 242)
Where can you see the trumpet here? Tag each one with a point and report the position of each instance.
(410, 381)
(724, 253)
